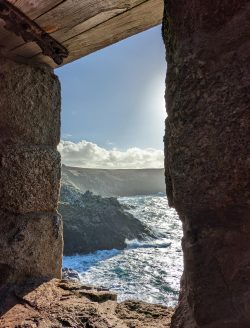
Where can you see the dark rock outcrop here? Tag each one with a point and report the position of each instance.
(92, 222)
(70, 274)
(207, 157)
(62, 303)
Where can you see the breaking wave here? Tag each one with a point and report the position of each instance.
(151, 243)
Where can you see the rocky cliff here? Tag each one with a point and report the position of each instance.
(115, 182)
(92, 222)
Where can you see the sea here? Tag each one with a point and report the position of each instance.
(148, 270)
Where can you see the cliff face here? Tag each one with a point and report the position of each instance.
(206, 149)
(115, 182)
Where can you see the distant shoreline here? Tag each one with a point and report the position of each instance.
(115, 182)
(115, 169)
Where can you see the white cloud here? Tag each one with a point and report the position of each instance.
(90, 155)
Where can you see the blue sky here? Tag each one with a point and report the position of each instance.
(115, 97)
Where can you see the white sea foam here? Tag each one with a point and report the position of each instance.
(150, 243)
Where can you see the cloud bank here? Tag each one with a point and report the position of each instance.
(90, 155)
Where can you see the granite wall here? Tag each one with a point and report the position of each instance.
(207, 156)
(30, 228)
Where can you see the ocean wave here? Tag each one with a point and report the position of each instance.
(150, 243)
(147, 269)
(82, 263)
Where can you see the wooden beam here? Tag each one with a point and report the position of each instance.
(32, 9)
(35, 8)
(120, 27)
(82, 26)
(73, 17)
(66, 17)
(144, 16)
(21, 25)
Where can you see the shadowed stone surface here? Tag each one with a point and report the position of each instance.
(31, 246)
(30, 228)
(207, 157)
(30, 104)
(29, 179)
(61, 303)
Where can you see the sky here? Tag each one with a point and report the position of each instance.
(113, 108)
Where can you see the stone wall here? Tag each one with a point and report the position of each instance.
(206, 149)
(30, 228)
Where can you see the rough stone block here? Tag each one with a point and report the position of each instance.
(31, 246)
(29, 105)
(207, 157)
(29, 179)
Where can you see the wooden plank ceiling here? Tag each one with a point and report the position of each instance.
(82, 26)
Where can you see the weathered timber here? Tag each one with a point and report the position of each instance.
(78, 17)
(35, 8)
(71, 18)
(74, 23)
(21, 25)
(76, 12)
(32, 9)
(113, 30)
